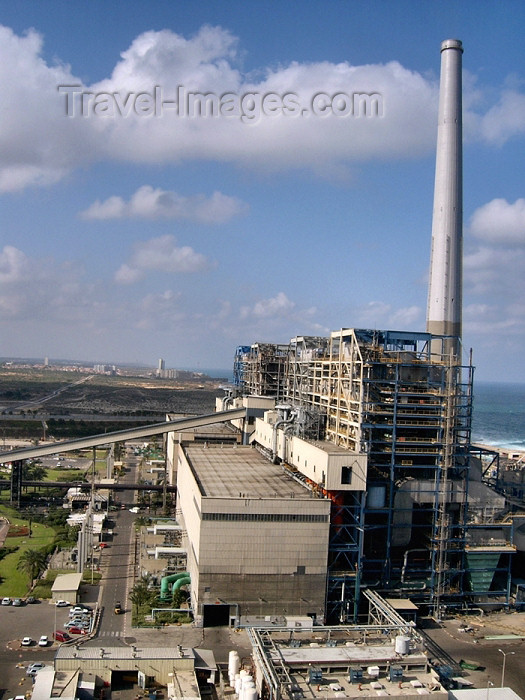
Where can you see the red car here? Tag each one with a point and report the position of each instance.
(61, 636)
(76, 630)
(103, 545)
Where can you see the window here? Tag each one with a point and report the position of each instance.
(346, 475)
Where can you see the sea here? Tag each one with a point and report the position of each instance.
(498, 418)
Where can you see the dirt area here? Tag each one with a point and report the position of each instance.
(40, 394)
(477, 627)
(125, 400)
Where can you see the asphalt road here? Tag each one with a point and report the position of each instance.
(486, 652)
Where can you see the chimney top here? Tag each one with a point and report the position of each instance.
(451, 44)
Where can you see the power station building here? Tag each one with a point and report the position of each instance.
(257, 541)
(370, 429)
(360, 476)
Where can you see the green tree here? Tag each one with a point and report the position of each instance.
(32, 562)
(140, 593)
(178, 598)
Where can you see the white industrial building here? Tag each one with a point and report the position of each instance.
(257, 540)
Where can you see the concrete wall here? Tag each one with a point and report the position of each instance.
(264, 554)
(323, 464)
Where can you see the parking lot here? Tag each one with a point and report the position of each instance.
(33, 621)
(15, 624)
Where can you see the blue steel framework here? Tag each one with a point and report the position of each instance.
(410, 531)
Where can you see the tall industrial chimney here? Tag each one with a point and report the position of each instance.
(445, 287)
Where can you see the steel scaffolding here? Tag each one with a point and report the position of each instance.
(402, 400)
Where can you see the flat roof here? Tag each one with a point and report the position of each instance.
(123, 653)
(66, 582)
(332, 449)
(240, 472)
(350, 654)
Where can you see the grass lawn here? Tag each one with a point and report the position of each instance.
(14, 583)
(54, 474)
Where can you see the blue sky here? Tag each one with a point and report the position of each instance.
(129, 232)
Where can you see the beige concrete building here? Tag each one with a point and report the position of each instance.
(257, 540)
(175, 667)
(66, 587)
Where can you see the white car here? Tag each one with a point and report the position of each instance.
(62, 603)
(79, 610)
(27, 641)
(43, 641)
(6, 601)
(33, 669)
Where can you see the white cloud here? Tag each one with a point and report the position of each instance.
(379, 314)
(160, 255)
(150, 203)
(14, 265)
(40, 143)
(504, 120)
(407, 317)
(207, 64)
(499, 221)
(36, 289)
(493, 271)
(277, 306)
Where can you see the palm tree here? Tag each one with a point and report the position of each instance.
(32, 561)
(140, 593)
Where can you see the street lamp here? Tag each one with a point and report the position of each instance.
(504, 660)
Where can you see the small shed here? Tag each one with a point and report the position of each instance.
(66, 587)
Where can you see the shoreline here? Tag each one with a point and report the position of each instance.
(506, 451)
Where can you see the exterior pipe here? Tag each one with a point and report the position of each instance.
(165, 584)
(277, 425)
(181, 582)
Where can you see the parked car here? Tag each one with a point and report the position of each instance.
(71, 623)
(43, 641)
(6, 601)
(27, 641)
(33, 669)
(76, 630)
(31, 599)
(79, 610)
(62, 603)
(17, 602)
(61, 636)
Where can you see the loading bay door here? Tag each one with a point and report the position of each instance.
(216, 615)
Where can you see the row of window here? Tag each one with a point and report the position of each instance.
(267, 517)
